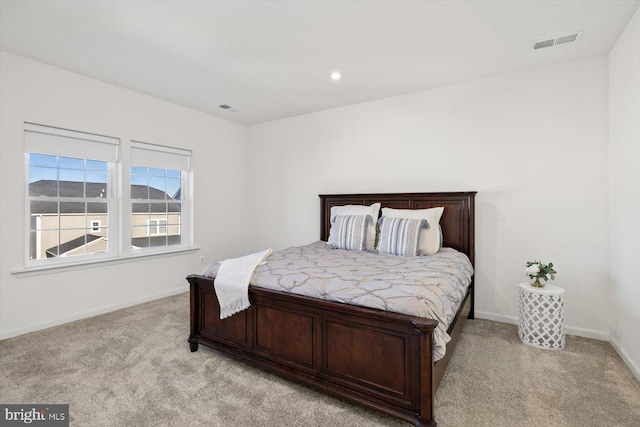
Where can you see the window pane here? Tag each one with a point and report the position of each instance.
(138, 232)
(141, 208)
(86, 244)
(43, 181)
(98, 212)
(139, 180)
(140, 217)
(173, 188)
(174, 227)
(96, 184)
(138, 170)
(139, 237)
(45, 244)
(97, 177)
(44, 215)
(159, 208)
(72, 209)
(157, 189)
(156, 241)
(139, 187)
(43, 160)
(70, 234)
(95, 165)
(174, 210)
(174, 239)
(157, 172)
(71, 175)
(33, 246)
(73, 242)
(173, 173)
(173, 230)
(72, 231)
(71, 183)
(97, 245)
(70, 163)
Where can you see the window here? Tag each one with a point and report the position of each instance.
(77, 210)
(70, 187)
(157, 227)
(158, 204)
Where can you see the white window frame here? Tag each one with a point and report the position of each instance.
(53, 141)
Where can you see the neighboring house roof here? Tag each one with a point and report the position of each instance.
(70, 245)
(94, 189)
(47, 187)
(138, 242)
(146, 242)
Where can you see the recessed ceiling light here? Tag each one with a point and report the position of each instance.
(336, 75)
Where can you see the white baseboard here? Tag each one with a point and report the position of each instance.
(571, 330)
(588, 333)
(496, 317)
(96, 312)
(625, 358)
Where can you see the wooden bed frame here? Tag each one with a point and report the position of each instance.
(379, 359)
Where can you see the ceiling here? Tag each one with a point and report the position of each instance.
(273, 59)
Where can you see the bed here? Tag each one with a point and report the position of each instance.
(376, 358)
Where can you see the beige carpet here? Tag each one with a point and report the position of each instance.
(133, 368)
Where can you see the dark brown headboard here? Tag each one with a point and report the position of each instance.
(457, 221)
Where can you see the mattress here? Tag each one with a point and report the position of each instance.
(431, 286)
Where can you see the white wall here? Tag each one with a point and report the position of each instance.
(624, 188)
(533, 144)
(34, 92)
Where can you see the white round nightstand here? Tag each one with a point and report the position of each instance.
(542, 316)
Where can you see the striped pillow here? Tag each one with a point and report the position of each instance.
(399, 236)
(350, 232)
(429, 240)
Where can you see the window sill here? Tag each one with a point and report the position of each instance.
(47, 269)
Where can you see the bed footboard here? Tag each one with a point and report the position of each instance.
(378, 359)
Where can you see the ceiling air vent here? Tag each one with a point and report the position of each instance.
(225, 107)
(539, 44)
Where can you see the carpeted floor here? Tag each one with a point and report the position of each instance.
(133, 367)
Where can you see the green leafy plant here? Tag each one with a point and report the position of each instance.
(536, 269)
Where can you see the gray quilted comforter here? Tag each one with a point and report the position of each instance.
(428, 286)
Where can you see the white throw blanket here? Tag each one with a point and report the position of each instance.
(232, 282)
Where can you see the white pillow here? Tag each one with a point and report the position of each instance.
(373, 211)
(429, 242)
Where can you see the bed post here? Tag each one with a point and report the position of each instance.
(195, 313)
(427, 392)
(472, 247)
(472, 295)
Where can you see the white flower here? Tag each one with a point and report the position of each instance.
(532, 270)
